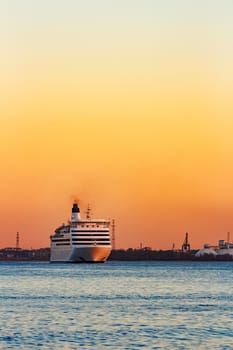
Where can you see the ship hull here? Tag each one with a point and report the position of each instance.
(81, 254)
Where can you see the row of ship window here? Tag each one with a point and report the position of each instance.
(99, 230)
(83, 237)
(90, 234)
(82, 240)
(84, 243)
(90, 225)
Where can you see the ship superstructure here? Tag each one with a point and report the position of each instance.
(81, 240)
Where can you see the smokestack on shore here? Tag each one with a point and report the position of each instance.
(75, 213)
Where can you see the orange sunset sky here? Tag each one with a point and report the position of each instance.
(126, 105)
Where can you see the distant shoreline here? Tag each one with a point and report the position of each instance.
(43, 254)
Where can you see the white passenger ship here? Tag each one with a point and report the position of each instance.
(81, 240)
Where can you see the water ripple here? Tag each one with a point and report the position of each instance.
(162, 305)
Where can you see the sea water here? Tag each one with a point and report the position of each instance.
(116, 305)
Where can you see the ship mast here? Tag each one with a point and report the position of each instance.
(88, 212)
(113, 235)
(17, 241)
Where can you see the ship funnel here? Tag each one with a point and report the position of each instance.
(75, 212)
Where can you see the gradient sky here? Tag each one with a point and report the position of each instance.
(126, 105)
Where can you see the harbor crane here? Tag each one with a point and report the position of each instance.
(186, 245)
